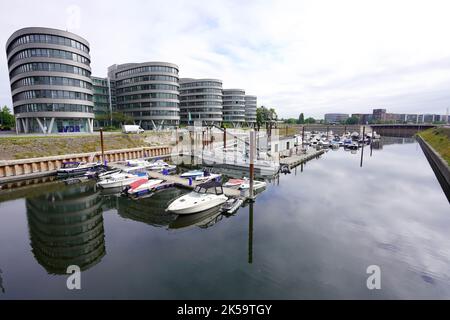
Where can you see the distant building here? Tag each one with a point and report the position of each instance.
(364, 118)
(335, 117)
(250, 110)
(379, 115)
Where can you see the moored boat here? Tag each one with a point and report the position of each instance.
(76, 168)
(202, 198)
(256, 185)
(119, 180)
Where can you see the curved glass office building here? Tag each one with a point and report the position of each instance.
(50, 78)
(250, 110)
(148, 93)
(201, 100)
(234, 106)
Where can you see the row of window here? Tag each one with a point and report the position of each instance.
(231, 93)
(240, 99)
(100, 99)
(201, 116)
(54, 67)
(47, 38)
(201, 97)
(155, 95)
(101, 91)
(153, 113)
(205, 90)
(53, 94)
(200, 103)
(182, 110)
(48, 53)
(146, 78)
(233, 113)
(147, 69)
(153, 104)
(202, 84)
(58, 107)
(143, 87)
(54, 81)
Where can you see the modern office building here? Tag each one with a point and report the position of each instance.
(147, 92)
(335, 117)
(50, 79)
(250, 110)
(234, 107)
(104, 101)
(201, 100)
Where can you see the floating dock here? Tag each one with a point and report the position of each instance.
(297, 159)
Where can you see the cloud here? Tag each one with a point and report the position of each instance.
(299, 56)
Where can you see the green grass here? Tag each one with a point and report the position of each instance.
(439, 139)
(22, 147)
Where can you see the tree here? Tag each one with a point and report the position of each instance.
(310, 120)
(352, 120)
(290, 121)
(7, 120)
(120, 118)
(301, 118)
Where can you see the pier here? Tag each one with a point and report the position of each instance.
(297, 159)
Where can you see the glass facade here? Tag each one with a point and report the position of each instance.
(234, 106)
(201, 100)
(50, 95)
(150, 98)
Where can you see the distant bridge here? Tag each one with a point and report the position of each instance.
(400, 130)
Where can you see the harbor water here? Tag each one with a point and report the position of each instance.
(311, 234)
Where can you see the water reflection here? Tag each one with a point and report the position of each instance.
(1, 282)
(150, 210)
(66, 228)
(204, 219)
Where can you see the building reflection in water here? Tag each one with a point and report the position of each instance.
(66, 227)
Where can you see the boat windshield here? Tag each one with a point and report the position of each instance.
(70, 165)
(209, 187)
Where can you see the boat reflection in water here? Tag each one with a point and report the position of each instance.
(66, 227)
(151, 210)
(204, 219)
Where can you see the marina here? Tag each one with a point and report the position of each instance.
(293, 242)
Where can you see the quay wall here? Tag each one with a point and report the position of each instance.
(438, 164)
(12, 170)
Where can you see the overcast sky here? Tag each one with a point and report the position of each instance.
(297, 56)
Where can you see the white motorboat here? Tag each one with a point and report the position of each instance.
(192, 174)
(75, 168)
(119, 180)
(234, 183)
(200, 199)
(208, 177)
(142, 187)
(108, 174)
(160, 165)
(256, 185)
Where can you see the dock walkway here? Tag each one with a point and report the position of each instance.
(297, 159)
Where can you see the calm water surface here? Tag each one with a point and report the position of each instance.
(312, 234)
